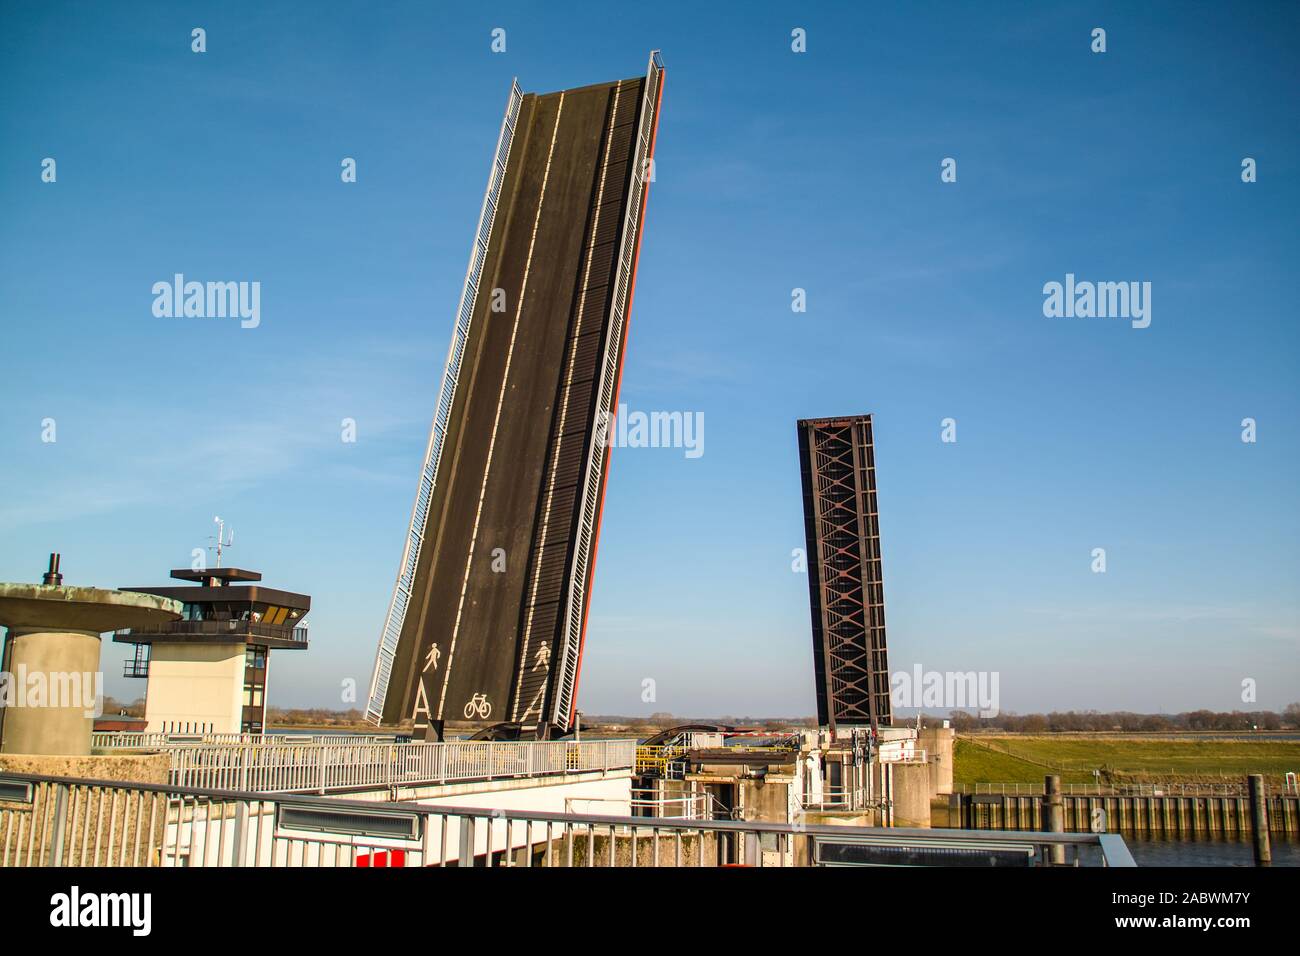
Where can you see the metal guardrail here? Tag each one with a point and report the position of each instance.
(234, 628)
(838, 798)
(392, 630)
(1175, 789)
(904, 756)
(1030, 789)
(133, 740)
(661, 761)
(688, 806)
(62, 821)
(281, 766)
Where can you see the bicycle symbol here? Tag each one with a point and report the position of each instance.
(478, 706)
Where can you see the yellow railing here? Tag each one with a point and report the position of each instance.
(650, 759)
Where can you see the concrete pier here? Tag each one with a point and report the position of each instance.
(910, 788)
(51, 658)
(937, 742)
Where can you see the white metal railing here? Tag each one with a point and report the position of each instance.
(321, 766)
(132, 740)
(890, 754)
(570, 644)
(687, 806)
(61, 821)
(837, 798)
(392, 630)
(1026, 789)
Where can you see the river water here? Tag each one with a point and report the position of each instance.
(1153, 851)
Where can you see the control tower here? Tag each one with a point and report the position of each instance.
(208, 671)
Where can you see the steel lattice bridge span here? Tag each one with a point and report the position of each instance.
(488, 616)
(837, 459)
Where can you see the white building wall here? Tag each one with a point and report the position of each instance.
(195, 688)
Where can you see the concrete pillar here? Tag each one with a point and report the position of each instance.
(57, 690)
(937, 742)
(52, 653)
(911, 794)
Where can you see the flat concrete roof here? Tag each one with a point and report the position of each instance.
(58, 608)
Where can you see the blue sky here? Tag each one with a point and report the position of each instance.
(775, 170)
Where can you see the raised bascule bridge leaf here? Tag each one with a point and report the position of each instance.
(488, 615)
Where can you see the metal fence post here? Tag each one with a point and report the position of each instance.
(60, 824)
(466, 856)
(240, 848)
(322, 771)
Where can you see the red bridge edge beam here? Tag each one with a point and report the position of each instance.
(618, 384)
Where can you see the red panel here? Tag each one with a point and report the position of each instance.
(382, 858)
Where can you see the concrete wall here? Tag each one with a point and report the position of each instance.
(136, 768)
(911, 794)
(938, 743)
(943, 812)
(767, 799)
(136, 820)
(195, 687)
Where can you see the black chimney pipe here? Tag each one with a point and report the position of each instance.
(52, 576)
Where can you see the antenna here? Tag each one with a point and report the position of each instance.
(221, 539)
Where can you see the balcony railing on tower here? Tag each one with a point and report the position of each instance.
(233, 628)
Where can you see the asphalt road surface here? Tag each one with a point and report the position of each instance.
(481, 636)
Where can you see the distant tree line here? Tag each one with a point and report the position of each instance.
(313, 717)
(1092, 720)
(1055, 722)
(115, 708)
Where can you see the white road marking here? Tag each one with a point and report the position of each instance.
(564, 408)
(505, 378)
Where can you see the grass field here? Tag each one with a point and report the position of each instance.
(1025, 759)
